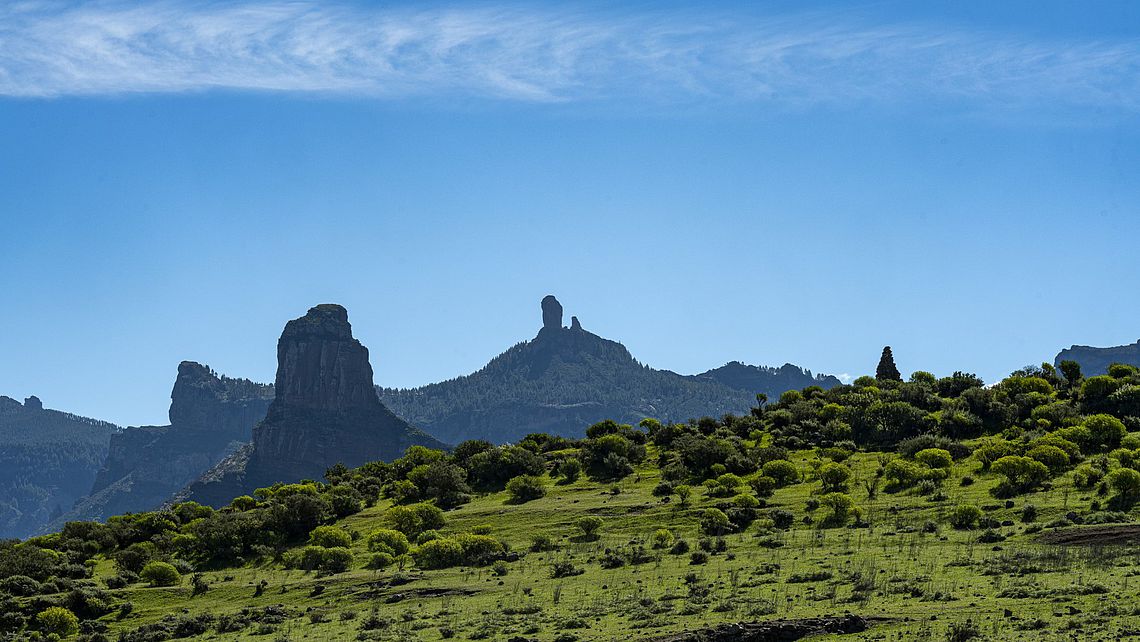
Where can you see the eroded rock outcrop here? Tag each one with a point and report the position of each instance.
(211, 416)
(326, 411)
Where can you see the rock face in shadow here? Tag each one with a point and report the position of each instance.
(565, 379)
(48, 460)
(1095, 361)
(211, 416)
(326, 411)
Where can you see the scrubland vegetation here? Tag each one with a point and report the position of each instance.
(938, 508)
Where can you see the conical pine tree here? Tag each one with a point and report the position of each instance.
(887, 370)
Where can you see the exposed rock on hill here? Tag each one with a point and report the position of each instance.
(48, 460)
(326, 411)
(565, 379)
(211, 416)
(1095, 361)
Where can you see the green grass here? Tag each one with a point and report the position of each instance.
(920, 582)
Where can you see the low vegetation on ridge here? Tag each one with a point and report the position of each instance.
(939, 508)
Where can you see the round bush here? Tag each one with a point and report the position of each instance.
(964, 516)
(380, 560)
(589, 525)
(336, 560)
(525, 488)
(1053, 457)
(714, 522)
(934, 458)
(763, 485)
(161, 574)
(388, 541)
(57, 620)
(329, 537)
(1105, 430)
(478, 549)
(438, 553)
(781, 470)
(662, 538)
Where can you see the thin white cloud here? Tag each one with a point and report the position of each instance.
(537, 55)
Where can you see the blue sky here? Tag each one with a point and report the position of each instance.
(788, 182)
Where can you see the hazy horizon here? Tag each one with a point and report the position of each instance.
(804, 183)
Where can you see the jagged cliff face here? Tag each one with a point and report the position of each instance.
(210, 417)
(1095, 361)
(325, 412)
(48, 460)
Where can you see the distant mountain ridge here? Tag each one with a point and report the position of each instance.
(48, 460)
(1095, 361)
(567, 378)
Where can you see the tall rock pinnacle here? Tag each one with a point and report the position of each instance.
(326, 411)
(551, 312)
(321, 367)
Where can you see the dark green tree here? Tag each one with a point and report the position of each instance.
(1072, 372)
(887, 371)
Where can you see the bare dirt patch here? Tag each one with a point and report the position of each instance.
(773, 630)
(1114, 534)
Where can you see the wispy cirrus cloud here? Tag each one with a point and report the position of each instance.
(536, 55)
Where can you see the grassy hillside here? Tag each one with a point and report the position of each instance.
(925, 536)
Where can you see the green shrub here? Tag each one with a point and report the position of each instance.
(478, 549)
(763, 486)
(589, 525)
(319, 558)
(840, 505)
(438, 553)
(20, 585)
(388, 541)
(1022, 473)
(414, 519)
(965, 516)
(378, 561)
(834, 476)
(525, 488)
(1105, 431)
(329, 537)
(781, 470)
(715, 522)
(662, 538)
(570, 470)
(161, 574)
(1126, 482)
(934, 458)
(428, 536)
(336, 560)
(1053, 457)
(58, 621)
